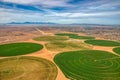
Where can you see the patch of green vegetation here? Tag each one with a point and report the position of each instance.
(67, 34)
(117, 50)
(75, 36)
(27, 68)
(51, 38)
(89, 65)
(103, 43)
(67, 46)
(83, 37)
(14, 49)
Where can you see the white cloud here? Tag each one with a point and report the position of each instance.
(77, 15)
(13, 15)
(43, 3)
(22, 1)
(104, 4)
(10, 15)
(94, 14)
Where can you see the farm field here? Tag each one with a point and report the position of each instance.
(55, 54)
(107, 43)
(51, 38)
(27, 68)
(75, 36)
(89, 65)
(117, 50)
(14, 49)
(67, 34)
(67, 46)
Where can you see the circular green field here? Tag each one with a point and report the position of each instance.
(89, 65)
(14, 49)
(83, 37)
(27, 68)
(75, 36)
(67, 34)
(117, 50)
(67, 46)
(51, 38)
(103, 43)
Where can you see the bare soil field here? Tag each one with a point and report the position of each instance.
(13, 34)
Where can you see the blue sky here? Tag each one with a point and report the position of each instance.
(61, 11)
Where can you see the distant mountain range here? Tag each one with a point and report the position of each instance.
(31, 23)
(73, 24)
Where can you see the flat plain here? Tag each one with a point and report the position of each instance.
(61, 47)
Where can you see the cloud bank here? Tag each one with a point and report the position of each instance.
(60, 11)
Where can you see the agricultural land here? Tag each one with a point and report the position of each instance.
(41, 52)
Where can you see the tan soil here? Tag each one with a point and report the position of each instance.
(98, 38)
(103, 48)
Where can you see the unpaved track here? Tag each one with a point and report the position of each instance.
(42, 32)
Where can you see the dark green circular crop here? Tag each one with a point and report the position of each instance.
(75, 36)
(103, 43)
(14, 49)
(117, 50)
(89, 65)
